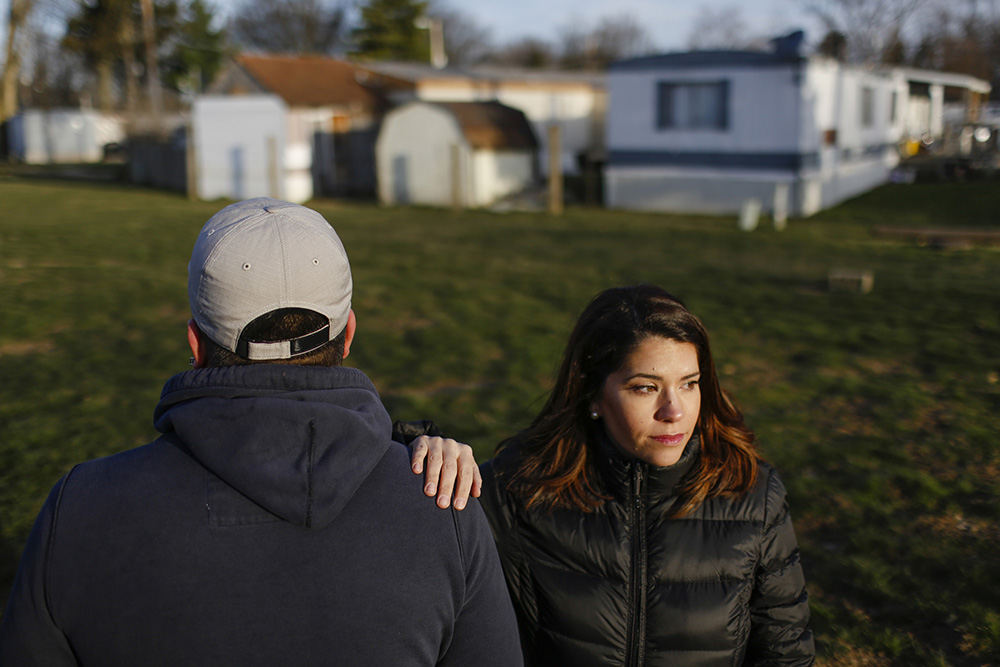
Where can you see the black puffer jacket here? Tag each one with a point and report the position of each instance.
(625, 585)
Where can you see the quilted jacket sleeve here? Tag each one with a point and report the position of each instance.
(779, 606)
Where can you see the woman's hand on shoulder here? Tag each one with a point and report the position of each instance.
(449, 468)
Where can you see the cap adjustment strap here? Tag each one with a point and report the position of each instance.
(283, 349)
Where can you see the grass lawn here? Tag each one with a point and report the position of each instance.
(881, 410)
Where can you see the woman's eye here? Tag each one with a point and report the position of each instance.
(644, 388)
(690, 385)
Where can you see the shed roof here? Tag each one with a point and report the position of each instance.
(491, 125)
(313, 81)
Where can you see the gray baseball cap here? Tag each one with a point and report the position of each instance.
(261, 255)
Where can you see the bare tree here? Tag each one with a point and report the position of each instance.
(894, 49)
(612, 38)
(719, 28)
(127, 44)
(51, 77)
(867, 25)
(101, 34)
(833, 45)
(16, 19)
(152, 62)
(290, 26)
(960, 41)
(526, 52)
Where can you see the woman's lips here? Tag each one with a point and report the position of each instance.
(670, 439)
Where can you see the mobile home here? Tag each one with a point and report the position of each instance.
(707, 131)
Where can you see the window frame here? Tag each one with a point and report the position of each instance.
(669, 95)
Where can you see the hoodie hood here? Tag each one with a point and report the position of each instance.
(297, 440)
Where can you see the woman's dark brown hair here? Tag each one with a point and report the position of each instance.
(560, 447)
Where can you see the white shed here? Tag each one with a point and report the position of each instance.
(48, 136)
(573, 101)
(454, 153)
(332, 113)
(705, 131)
(240, 150)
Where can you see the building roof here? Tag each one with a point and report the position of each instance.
(785, 50)
(315, 81)
(685, 59)
(696, 59)
(417, 72)
(965, 81)
(491, 125)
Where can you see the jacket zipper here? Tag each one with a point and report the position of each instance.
(635, 651)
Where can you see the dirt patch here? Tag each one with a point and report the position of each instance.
(856, 658)
(956, 239)
(23, 348)
(954, 526)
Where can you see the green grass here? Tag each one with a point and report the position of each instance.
(880, 409)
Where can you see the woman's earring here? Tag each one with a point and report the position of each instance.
(594, 415)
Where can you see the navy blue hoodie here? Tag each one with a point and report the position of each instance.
(273, 522)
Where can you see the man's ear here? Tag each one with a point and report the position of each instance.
(352, 325)
(195, 343)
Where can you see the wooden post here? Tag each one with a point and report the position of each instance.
(590, 176)
(456, 176)
(191, 163)
(272, 168)
(555, 172)
(972, 107)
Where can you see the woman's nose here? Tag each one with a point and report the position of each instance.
(670, 409)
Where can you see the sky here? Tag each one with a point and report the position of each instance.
(668, 22)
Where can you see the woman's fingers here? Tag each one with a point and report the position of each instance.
(450, 470)
(418, 452)
(432, 464)
(469, 481)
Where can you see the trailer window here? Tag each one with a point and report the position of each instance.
(692, 105)
(867, 106)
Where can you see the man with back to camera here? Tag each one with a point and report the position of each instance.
(273, 521)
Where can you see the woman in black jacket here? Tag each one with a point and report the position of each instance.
(634, 519)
